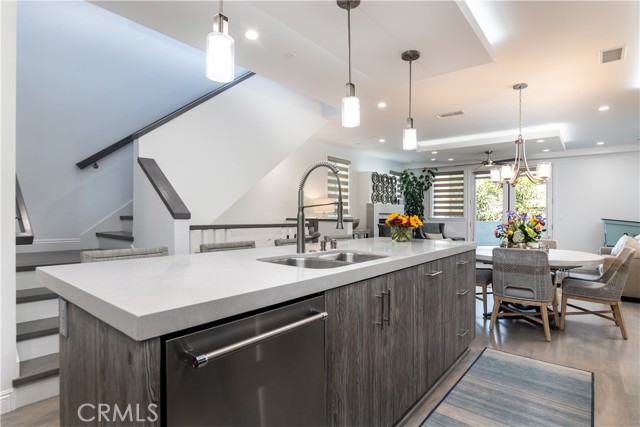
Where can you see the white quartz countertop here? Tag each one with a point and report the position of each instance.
(150, 297)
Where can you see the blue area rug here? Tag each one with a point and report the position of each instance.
(502, 389)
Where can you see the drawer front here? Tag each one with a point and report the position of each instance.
(459, 263)
(458, 295)
(458, 334)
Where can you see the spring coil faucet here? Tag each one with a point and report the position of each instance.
(300, 242)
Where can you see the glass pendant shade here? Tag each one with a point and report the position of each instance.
(495, 175)
(507, 172)
(543, 170)
(220, 57)
(350, 112)
(409, 139)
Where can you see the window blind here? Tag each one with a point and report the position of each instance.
(448, 195)
(332, 182)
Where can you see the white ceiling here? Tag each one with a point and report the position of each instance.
(471, 55)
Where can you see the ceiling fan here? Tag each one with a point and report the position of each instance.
(489, 163)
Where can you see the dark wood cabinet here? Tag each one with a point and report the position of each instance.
(389, 338)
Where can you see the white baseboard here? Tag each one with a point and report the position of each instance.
(7, 401)
(36, 391)
(47, 245)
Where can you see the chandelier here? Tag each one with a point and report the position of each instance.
(509, 174)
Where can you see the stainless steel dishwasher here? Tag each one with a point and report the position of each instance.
(264, 370)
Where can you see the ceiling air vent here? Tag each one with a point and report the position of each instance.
(611, 55)
(451, 114)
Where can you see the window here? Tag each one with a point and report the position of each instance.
(332, 183)
(448, 195)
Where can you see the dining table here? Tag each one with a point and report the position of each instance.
(559, 259)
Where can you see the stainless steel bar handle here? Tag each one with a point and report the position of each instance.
(464, 332)
(462, 292)
(199, 360)
(433, 274)
(381, 322)
(388, 319)
(462, 262)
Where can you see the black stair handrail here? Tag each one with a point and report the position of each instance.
(25, 235)
(165, 190)
(93, 159)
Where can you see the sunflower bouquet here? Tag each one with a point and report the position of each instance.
(402, 226)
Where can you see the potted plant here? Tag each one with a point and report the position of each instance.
(413, 187)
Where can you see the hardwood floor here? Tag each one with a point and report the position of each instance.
(588, 343)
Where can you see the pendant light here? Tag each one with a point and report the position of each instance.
(409, 135)
(220, 50)
(509, 174)
(350, 103)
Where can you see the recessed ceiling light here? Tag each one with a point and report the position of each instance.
(540, 140)
(382, 104)
(434, 152)
(546, 150)
(433, 159)
(603, 108)
(450, 160)
(251, 34)
(382, 140)
(600, 143)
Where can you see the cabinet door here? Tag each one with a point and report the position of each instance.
(429, 363)
(459, 330)
(401, 353)
(350, 332)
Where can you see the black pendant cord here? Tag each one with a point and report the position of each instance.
(410, 63)
(349, 38)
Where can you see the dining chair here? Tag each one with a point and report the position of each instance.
(122, 254)
(328, 237)
(523, 276)
(484, 278)
(308, 239)
(227, 246)
(550, 243)
(605, 290)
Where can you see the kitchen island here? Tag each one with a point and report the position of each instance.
(118, 315)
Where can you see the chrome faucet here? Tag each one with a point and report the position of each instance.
(300, 243)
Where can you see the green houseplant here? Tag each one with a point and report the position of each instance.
(412, 187)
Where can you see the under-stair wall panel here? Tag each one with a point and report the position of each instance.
(218, 151)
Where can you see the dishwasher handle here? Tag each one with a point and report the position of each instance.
(199, 360)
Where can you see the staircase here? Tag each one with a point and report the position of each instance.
(37, 327)
(119, 239)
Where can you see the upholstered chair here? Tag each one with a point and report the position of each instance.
(122, 254)
(227, 246)
(523, 276)
(605, 290)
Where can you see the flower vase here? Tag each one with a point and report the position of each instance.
(401, 234)
(533, 245)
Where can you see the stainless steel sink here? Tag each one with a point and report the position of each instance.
(351, 256)
(332, 259)
(307, 262)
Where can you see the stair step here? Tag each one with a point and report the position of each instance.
(126, 217)
(118, 235)
(38, 369)
(34, 294)
(37, 328)
(28, 261)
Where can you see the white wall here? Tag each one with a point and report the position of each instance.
(587, 189)
(275, 197)
(8, 360)
(218, 151)
(113, 80)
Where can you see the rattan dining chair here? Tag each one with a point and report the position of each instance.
(122, 254)
(605, 290)
(484, 278)
(227, 246)
(523, 276)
